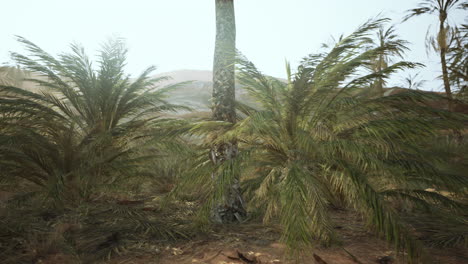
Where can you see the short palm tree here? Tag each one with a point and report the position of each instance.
(314, 142)
(86, 128)
(412, 82)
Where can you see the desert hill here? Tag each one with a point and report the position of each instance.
(197, 93)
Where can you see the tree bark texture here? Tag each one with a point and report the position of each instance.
(223, 64)
(231, 209)
(443, 50)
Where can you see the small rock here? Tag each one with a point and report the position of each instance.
(385, 260)
(177, 251)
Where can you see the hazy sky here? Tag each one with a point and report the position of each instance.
(179, 34)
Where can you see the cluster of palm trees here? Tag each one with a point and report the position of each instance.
(326, 138)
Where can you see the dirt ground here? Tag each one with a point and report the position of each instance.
(258, 244)
(254, 243)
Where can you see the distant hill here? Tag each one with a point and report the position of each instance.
(197, 93)
(187, 75)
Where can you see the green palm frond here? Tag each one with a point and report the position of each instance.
(458, 60)
(315, 140)
(432, 6)
(84, 127)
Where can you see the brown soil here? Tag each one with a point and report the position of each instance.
(254, 243)
(258, 244)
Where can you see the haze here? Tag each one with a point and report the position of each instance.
(179, 34)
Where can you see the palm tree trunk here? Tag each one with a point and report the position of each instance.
(223, 65)
(379, 88)
(443, 50)
(443, 62)
(232, 207)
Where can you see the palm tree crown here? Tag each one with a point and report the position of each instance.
(313, 143)
(440, 43)
(84, 127)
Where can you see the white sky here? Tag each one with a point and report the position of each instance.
(179, 34)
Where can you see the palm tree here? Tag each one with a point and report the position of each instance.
(440, 44)
(232, 207)
(458, 61)
(412, 82)
(388, 41)
(86, 128)
(313, 144)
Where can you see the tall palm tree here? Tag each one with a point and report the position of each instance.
(231, 208)
(312, 143)
(458, 61)
(389, 43)
(85, 128)
(440, 43)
